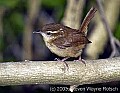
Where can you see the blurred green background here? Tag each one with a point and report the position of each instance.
(14, 19)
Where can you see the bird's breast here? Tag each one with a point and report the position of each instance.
(67, 52)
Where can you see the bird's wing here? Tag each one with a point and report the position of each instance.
(71, 40)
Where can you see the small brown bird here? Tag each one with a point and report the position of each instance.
(65, 41)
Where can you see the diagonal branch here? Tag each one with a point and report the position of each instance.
(99, 37)
(103, 17)
(73, 13)
(95, 71)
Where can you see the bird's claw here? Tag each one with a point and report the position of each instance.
(64, 63)
(81, 60)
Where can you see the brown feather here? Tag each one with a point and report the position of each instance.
(87, 19)
(71, 40)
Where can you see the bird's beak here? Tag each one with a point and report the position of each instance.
(37, 32)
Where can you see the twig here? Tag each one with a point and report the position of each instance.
(33, 9)
(2, 11)
(117, 42)
(102, 14)
(32, 72)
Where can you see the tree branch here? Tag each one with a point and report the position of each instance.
(73, 13)
(46, 72)
(33, 9)
(99, 37)
(103, 17)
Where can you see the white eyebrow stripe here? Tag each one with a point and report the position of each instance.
(53, 31)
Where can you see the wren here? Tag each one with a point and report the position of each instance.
(65, 41)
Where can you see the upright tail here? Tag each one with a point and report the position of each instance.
(87, 19)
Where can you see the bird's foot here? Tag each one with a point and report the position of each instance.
(82, 60)
(65, 64)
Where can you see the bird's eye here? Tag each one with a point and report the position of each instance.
(48, 33)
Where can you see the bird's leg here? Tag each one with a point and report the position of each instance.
(82, 60)
(63, 60)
